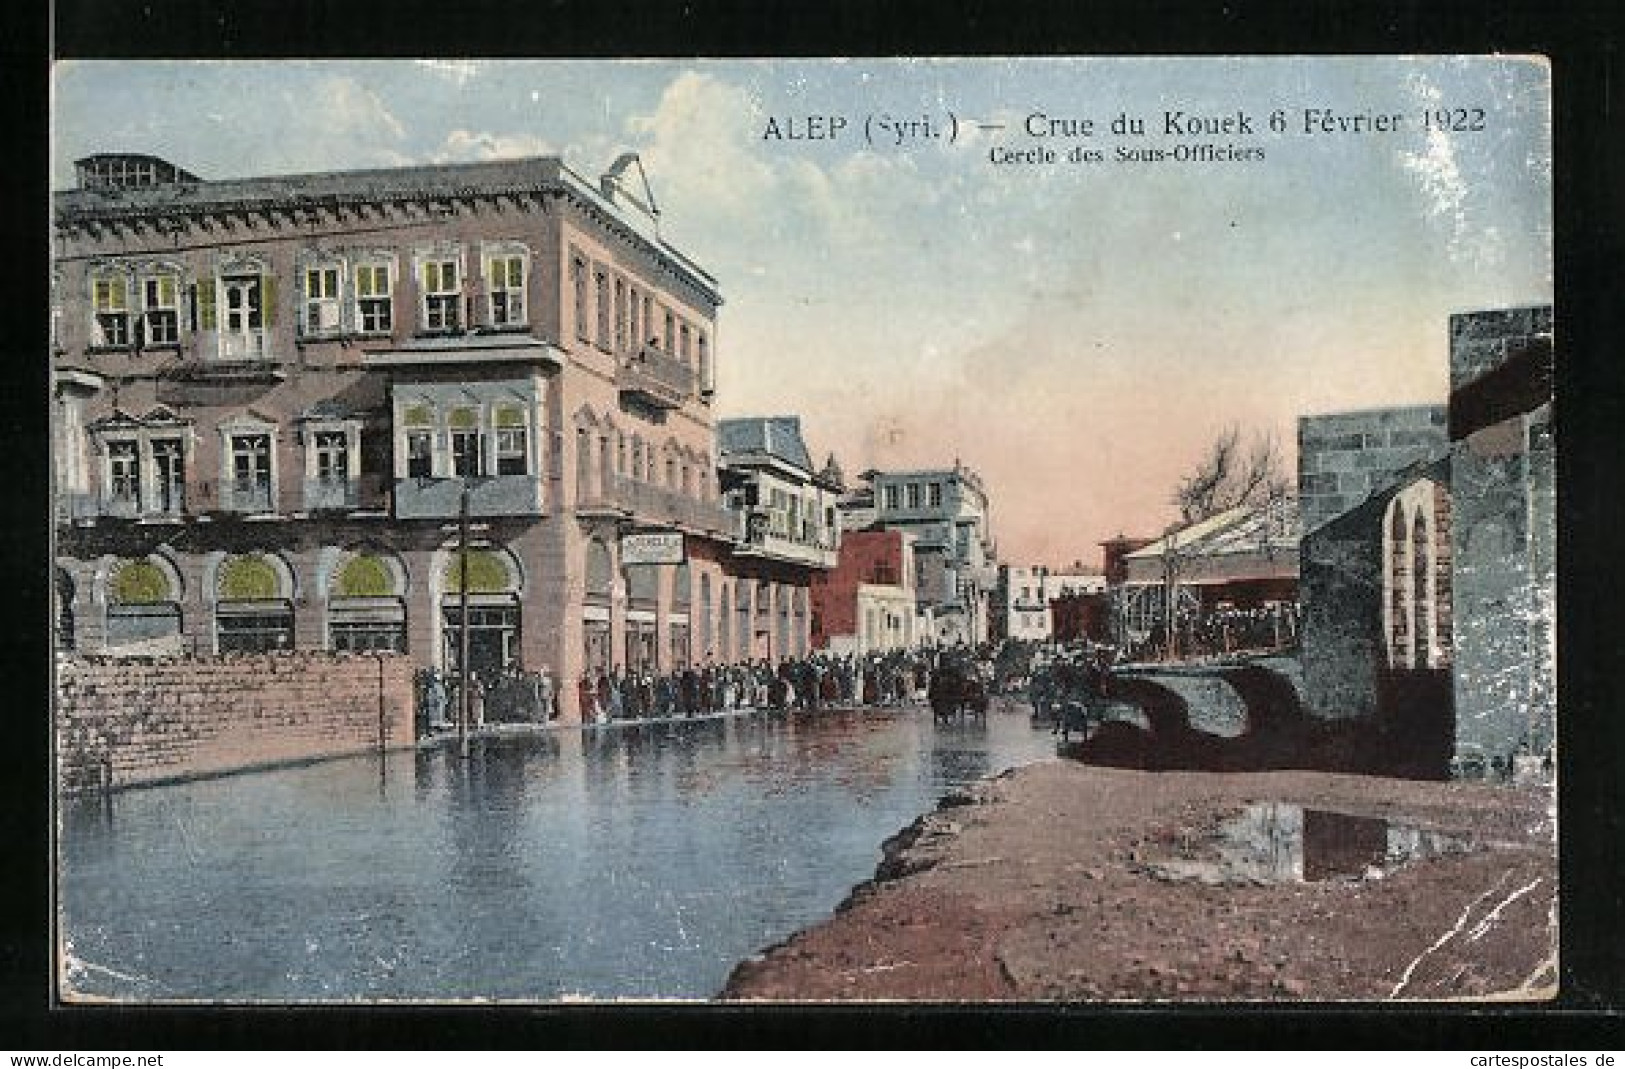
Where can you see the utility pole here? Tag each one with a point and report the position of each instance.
(464, 697)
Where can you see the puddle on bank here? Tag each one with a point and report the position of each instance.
(1277, 842)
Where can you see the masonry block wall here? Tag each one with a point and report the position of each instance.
(1345, 457)
(1340, 587)
(144, 721)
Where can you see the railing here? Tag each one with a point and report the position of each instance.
(329, 494)
(656, 378)
(245, 498)
(242, 347)
(647, 503)
(500, 495)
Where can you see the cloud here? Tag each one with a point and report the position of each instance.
(469, 145)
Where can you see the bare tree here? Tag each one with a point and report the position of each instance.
(1230, 474)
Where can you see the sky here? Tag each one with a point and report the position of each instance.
(1077, 332)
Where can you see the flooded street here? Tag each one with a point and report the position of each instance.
(628, 862)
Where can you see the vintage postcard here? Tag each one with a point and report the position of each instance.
(1068, 530)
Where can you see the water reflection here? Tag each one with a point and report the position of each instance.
(625, 862)
(1276, 842)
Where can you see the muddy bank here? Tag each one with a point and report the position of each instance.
(1067, 882)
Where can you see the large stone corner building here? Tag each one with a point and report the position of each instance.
(274, 394)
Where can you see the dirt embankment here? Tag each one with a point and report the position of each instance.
(1067, 882)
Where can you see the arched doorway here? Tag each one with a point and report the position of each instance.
(600, 590)
(493, 621)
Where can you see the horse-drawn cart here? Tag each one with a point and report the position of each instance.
(957, 692)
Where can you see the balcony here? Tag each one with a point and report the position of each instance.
(654, 379)
(331, 495)
(762, 542)
(442, 350)
(256, 498)
(645, 503)
(441, 499)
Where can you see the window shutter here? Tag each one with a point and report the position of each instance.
(205, 304)
(268, 300)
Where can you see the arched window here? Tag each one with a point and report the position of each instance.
(493, 602)
(725, 647)
(707, 642)
(366, 609)
(1421, 595)
(143, 602)
(253, 604)
(1398, 588)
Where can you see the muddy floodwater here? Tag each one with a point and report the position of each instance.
(609, 863)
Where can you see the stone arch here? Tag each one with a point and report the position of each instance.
(366, 600)
(1421, 551)
(253, 596)
(491, 570)
(1397, 612)
(251, 576)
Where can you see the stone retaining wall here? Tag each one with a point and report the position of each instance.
(126, 722)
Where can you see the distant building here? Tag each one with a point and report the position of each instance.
(946, 512)
(867, 603)
(1229, 582)
(788, 534)
(1018, 608)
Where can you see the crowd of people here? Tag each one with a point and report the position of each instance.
(616, 694)
(807, 683)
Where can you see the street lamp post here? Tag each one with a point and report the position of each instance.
(464, 698)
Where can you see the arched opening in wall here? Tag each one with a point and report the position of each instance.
(679, 619)
(366, 606)
(1396, 579)
(799, 599)
(494, 617)
(786, 643)
(762, 623)
(66, 639)
(143, 606)
(253, 610)
(642, 597)
(1422, 595)
(595, 611)
(707, 621)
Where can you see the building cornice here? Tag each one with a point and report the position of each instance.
(399, 196)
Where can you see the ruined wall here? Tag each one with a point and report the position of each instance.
(1340, 587)
(1345, 457)
(127, 722)
(1504, 593)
